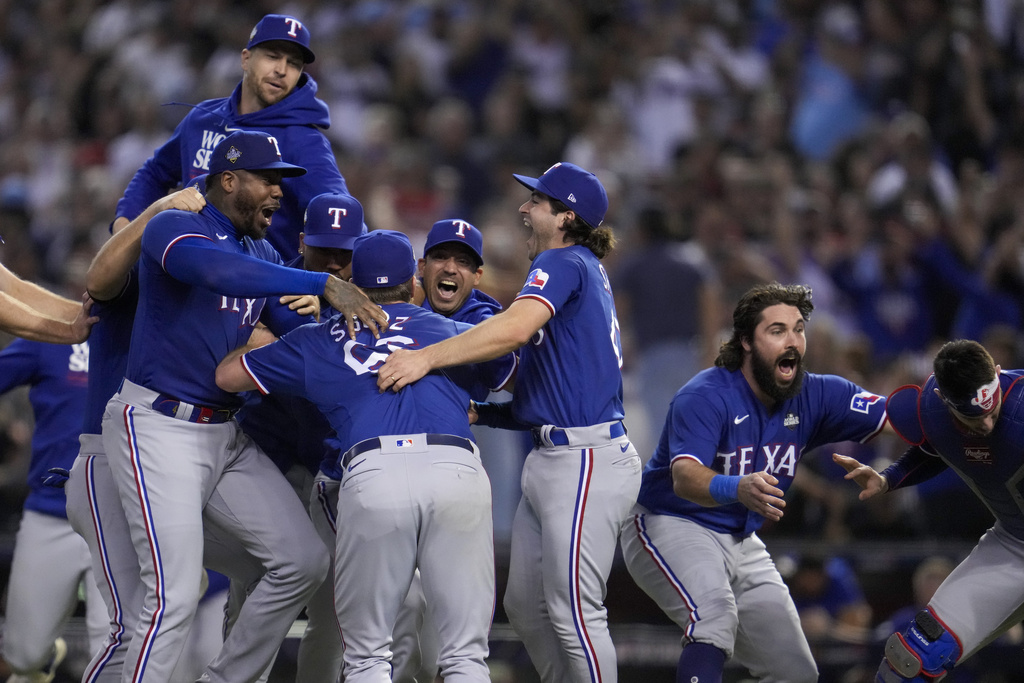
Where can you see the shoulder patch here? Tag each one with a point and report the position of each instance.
(537, 278)
(863, 401)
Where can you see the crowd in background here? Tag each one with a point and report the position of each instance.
(871, 149)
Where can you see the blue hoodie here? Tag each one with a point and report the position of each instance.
(297, 121)
(477, 308)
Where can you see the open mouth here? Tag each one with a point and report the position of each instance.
(447, 289)
(268, 214)
(787, 366)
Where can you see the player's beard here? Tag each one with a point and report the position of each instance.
(250, 215)
(764, 375)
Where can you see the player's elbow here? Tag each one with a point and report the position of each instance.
(227, 377)
(518, 336)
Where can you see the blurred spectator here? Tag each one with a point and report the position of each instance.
(914, 168)
(928, 574)
(669, 303)
(829, 599)
(888, 289)
(451, 128)
(830, 107)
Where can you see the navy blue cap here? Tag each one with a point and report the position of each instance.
(382, 258)
(578, 189)
(199, 182)
(455, 230)
(281, 27)
(251, 150)
(333, 221)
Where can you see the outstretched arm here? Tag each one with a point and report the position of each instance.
(110, 266)
(42, 301)
(489, 339)
(22, 320)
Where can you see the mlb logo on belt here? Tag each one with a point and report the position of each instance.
(403, 443)
(538, 278)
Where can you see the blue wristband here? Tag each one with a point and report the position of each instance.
(724, 489)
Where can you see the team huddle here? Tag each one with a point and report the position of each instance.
(269, 399)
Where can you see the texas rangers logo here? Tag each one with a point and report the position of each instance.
(233, 154)
(537, 278)
(863, 401)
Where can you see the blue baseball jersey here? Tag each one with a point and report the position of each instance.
(339, 375)
(716, 419)
(991, 465)
(58, 375)
(297, 122)
(290, 429)
(479, 307)
(109, 342)
(184, 327)
(579, 347)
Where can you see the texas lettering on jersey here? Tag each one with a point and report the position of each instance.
(249, 308)
(776, 459)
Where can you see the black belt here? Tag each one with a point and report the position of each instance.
(172, 407)
(432, 440)
(558, 437)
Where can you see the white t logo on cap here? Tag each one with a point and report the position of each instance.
(463, 227)
(274, 141)
(294, 25)
(337, 212)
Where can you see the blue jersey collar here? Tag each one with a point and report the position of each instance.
(222, 222)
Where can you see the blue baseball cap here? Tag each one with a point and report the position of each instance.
(333, 221)
(281, 27)
(382, 258)
(455, 230)
(578, 189)
(251, 150)
(199, 182)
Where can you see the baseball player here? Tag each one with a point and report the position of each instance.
(274, 96)
(31, 312)
(581, 479)
(50, 560)
(179, 461)
(968, 415)
(728, 451)
(93, 505)
(413, 491)
(297, 437)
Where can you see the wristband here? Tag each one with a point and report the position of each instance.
(724, 489)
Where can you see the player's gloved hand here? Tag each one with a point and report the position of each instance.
(57, 477)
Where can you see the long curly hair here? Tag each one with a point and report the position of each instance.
(598, 240)
(747, 315)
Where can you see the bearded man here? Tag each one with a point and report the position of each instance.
(728, 452)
